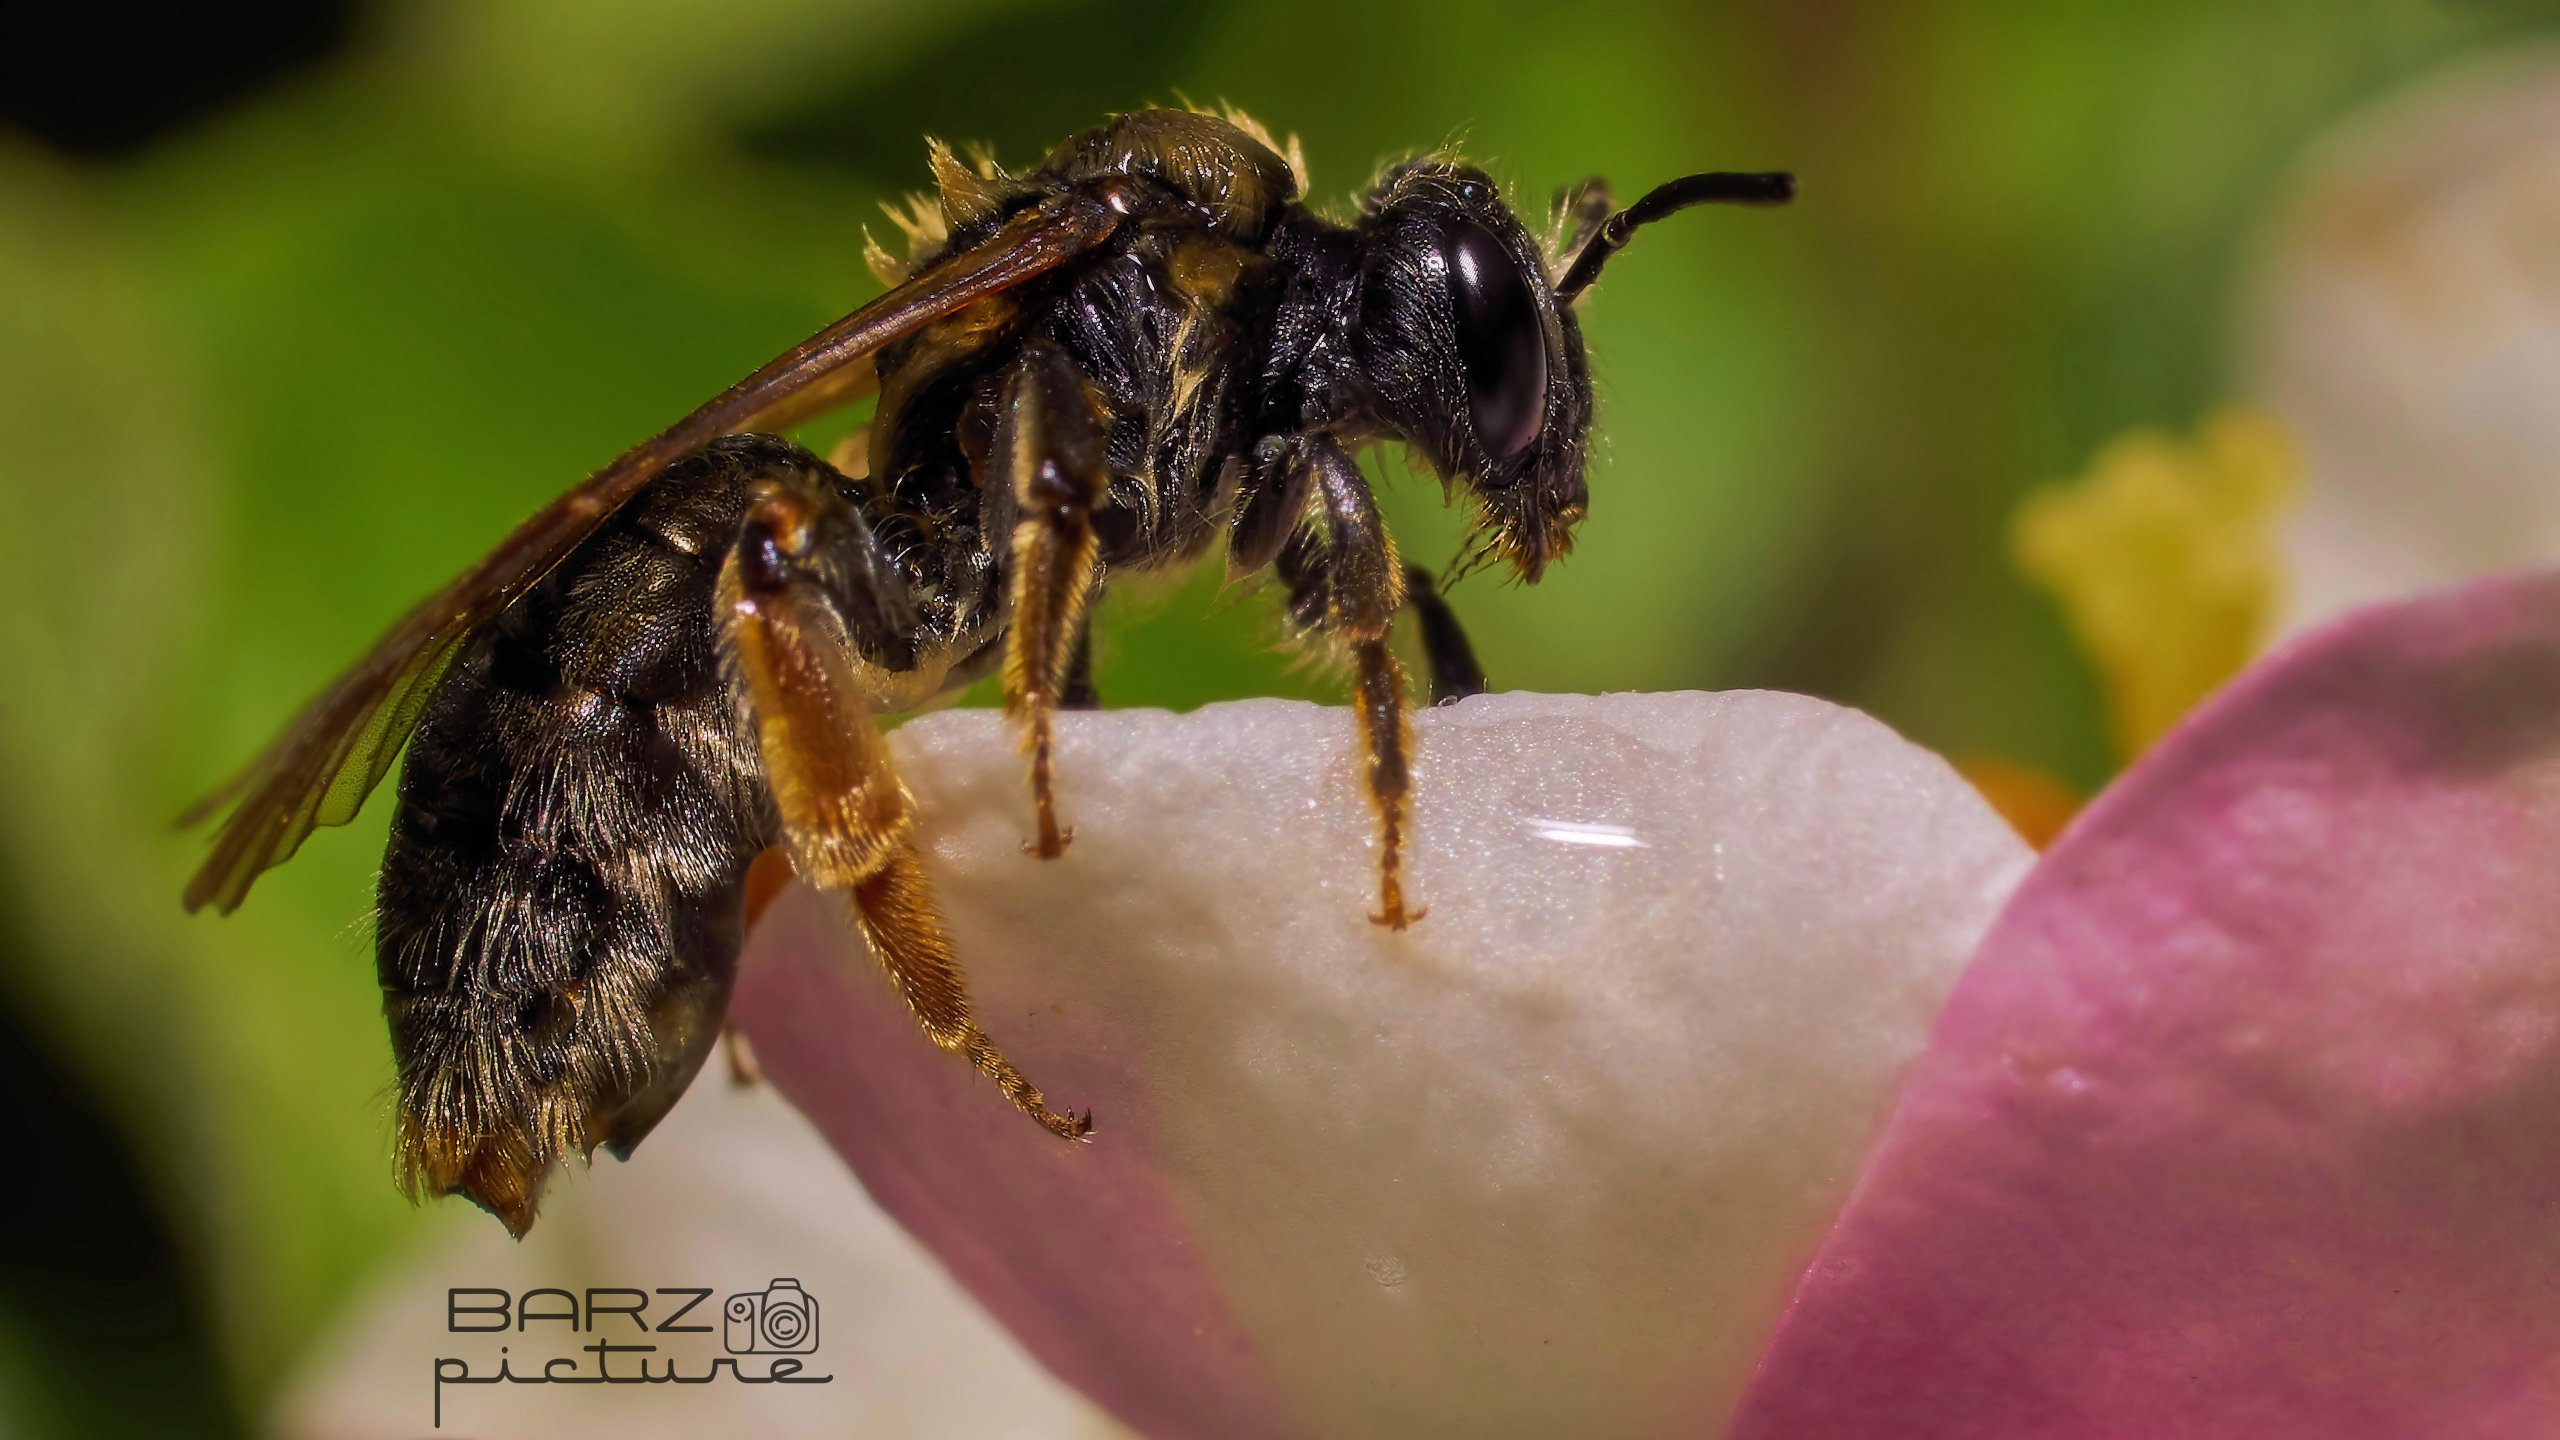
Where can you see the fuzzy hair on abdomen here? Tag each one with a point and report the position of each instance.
(558, 915)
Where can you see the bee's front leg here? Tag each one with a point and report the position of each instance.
(1455, 674)
(1346, 583)
(1049, 451)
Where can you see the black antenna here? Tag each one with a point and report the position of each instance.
(1721, 187)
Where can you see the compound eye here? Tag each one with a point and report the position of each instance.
(1501, 340)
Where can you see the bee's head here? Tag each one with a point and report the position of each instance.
(1468, 337)
(1477, 362)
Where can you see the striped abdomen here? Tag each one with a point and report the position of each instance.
(559, 909)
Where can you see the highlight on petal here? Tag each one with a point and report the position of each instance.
(732, 1191)
(2245, 1121)
(2405, 326)
(1547, 1163)
(2163, 558)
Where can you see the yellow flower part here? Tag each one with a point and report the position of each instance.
(2036, 803)
(2163, 557)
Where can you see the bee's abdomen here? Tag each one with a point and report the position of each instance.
(558, 912)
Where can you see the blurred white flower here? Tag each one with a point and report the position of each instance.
(2405, 326)
(733, 1191)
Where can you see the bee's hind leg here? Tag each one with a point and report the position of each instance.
(802, 566)
(1346, 584)
(744, 1072)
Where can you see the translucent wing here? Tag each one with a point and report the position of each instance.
(320, 769)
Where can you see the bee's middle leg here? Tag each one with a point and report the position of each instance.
(1050, 450)
(1345, 582)
(1079, 693)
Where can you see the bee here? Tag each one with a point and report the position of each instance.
(1142, 348)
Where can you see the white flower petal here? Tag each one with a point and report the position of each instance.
(1546, 1164)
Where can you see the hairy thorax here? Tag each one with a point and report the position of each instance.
(1166, 325)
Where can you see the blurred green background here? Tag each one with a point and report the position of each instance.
(302, 304)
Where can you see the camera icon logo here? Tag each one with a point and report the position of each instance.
(780, 1319)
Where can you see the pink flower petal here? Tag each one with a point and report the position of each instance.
(2246, 1119)
(1549, 1163)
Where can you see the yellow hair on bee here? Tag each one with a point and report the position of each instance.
(967, 195)
(888, 269)
(921, 222)
(1291, 155)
